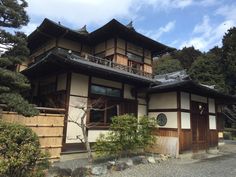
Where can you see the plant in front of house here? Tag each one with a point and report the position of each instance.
(127, 135)
(20, 153)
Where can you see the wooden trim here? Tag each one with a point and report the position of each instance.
(115, 48)
(67, 104)
(98, 127)
(179, 118)
(168, 129)
(142, 104)
(75, 147)
(79, 96)
(123, 90)
(163, 110)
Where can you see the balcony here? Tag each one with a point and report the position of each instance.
(103, 62)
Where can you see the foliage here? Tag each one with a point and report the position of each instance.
(20, 154)
(13, 84)
(206, 70)
(186, 56)
(127, 135)
(229, 59)
(166, 64)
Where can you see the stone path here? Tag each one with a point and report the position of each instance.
(221, 166)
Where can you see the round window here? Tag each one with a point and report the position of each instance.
(161, 119)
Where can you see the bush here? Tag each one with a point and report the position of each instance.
(20, 154)
(127, 135)
(227, 135)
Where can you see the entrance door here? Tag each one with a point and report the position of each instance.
(199, 122)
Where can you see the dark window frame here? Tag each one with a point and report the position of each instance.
(105, 95)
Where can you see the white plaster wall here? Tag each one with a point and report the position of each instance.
(105, 82)
(185, 120)
(198, 98)
(127, 92)
(79, 84)
(94, 134)
(142, 110)
(171, 119)
(163, 100)
(212, 122)
(75, 114)
(61, 82)
(141, 101)
(211, 105)
(185, 102)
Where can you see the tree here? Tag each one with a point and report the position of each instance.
(127, 135)
(166, 64)
(12, 83)
(20, 153)
(80, 121)
(205, 70)
(229, 59)
(186, 56)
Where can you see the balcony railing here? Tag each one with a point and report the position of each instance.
(106, 62)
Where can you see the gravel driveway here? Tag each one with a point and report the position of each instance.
(221, 166)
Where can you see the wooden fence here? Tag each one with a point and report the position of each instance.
(49, 128)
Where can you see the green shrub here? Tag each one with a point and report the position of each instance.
(20, 154)
(227, 135)
(127, 135)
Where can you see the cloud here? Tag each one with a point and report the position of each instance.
(29, 28)
(227, 11)
(156, 34)
(207, 35)
(80, 12)
(168, 4)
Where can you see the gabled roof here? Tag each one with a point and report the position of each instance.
(50, 29)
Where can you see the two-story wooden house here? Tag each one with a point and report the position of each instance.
(74, 68)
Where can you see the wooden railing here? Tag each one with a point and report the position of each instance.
(104, 62)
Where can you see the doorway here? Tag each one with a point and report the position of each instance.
(199, 124)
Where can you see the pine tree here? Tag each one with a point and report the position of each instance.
(12, 83)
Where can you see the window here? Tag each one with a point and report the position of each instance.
(134, 57)
(110, 108)
(104, 112)
(106, 91)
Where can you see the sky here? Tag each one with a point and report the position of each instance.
(176, 23)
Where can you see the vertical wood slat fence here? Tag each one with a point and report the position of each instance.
(48, 127)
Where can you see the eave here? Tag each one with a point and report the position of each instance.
(55, 62)
(195, 88)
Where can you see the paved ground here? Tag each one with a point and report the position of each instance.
(221, 166)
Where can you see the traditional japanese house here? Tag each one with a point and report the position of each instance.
(72, 69)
